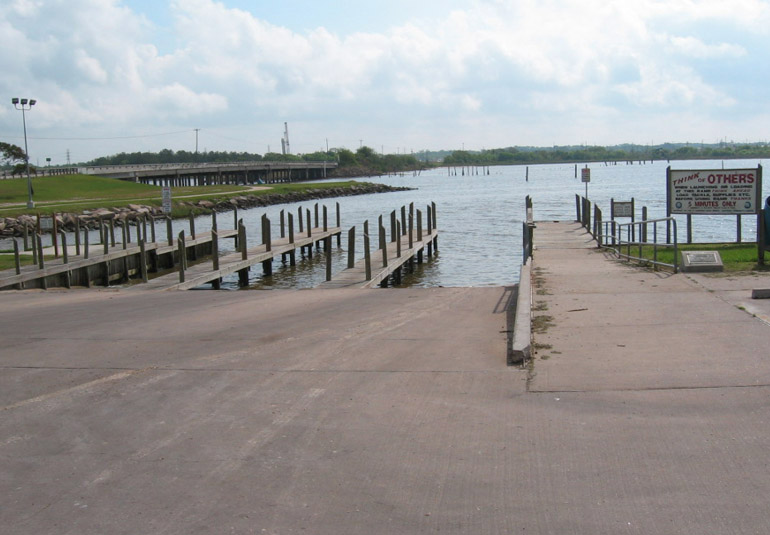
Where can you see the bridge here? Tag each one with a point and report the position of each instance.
(202, 174)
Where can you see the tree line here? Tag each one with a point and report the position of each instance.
(516, 155)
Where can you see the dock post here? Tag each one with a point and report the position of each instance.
(40, 259)
(64, 251)
(419, 225)
(192, 226)
(77, 236)
(643, 237)
(411, 229)
(235, 218)
(266, 235)
(283, 224)
(65, 260)
(352, 247)
(112, 231)
(182, 252)
(25, 236)
(242, 240)
(328, 247)
(315, 209)
(169, 232)
(215, 249)
(384, 247)
(128, 233)
(144, 227)
(143, 260)
(293, 252)
(16, 259)
(380, 235)
(367, 255)
(393, 226)
(326, 220)
(299, 220)
(216, 283)
(398, 239)
(339, 226)
(85, 242)
(55, 236)
(106, 240)
(403, 220)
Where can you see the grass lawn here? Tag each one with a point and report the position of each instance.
(735, 256)
(75, 193)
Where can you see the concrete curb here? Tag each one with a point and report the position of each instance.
(521, 346)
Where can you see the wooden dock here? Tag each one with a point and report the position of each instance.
(213, 270)
(409, 241)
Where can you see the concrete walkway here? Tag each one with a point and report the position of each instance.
(388, 411)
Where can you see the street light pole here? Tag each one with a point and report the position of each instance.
(25, 106)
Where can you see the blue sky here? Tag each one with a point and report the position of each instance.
(121, 76)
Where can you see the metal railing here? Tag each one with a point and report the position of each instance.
(612, 237)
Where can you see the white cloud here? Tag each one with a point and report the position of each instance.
(93, 63)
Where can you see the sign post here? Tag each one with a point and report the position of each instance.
(715, 192)
(166, 199)
(585, 176)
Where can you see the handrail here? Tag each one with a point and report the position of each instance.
(612, 238)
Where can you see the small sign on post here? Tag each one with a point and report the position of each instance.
(166, 197)
(585, 177)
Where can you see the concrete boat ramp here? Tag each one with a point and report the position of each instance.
(645, 411)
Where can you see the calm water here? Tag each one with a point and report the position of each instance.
(479, 217)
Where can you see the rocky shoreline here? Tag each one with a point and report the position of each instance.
(14, 226)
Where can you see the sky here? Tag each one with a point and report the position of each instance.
(113, 76)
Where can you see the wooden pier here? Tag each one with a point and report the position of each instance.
(183, 262)
(409, 241)
(111, 262)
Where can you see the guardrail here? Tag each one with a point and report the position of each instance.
(611, 237)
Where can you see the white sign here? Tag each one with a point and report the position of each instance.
(585, 174)
(166, 199)
(623, 209)
(720, 192)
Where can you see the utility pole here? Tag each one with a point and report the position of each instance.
(196, 139)
(285, 147)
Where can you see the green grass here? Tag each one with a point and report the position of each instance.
(75, 193)
(7, 261)
(735, 256)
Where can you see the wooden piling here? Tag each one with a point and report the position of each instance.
(77, 236)
(393, 226)
(169, 231)
(352, 247)
(328, 247)
(326, 220)
(242, 240)
(384, 248)
(398, 239)
(143, 260)
(182, 252)
(339, 226)
(16, 259)
(192, 226)
(367, 254)
(65, 252)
